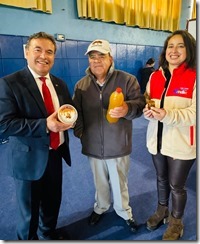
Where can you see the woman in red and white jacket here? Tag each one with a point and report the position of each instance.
(171, 129)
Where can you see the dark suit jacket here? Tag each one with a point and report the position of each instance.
(23, 121)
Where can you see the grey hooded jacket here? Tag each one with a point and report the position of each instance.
(99, 138)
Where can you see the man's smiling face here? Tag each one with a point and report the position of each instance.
(40, 55)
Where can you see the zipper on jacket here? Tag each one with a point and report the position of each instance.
(160, 125)
(100, 98)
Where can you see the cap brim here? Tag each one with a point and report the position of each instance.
(97, 50)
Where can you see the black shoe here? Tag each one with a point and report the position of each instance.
(132, 224)
(94, 218)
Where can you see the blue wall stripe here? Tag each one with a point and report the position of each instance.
(70, 61)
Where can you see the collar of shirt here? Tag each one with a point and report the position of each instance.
(36, 76)
(38, 81)
(100, 84)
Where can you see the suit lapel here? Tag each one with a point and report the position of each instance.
(58, 89)
(34, 91)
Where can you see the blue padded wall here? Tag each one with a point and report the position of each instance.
(70, 61)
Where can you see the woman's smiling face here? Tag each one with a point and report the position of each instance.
(176, 51)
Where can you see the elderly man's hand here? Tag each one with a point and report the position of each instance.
(119, 112)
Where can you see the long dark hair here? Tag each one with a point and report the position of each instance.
(190, 44)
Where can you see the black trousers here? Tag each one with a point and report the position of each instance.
(171, 178)
(39, 201)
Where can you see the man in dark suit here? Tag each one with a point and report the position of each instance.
(35, 166)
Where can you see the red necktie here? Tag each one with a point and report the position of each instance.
(54, 136)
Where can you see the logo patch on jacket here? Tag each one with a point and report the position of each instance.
(181, 91)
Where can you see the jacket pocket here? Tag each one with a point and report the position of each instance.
(192, 135)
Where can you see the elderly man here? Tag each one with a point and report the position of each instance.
(108, 146)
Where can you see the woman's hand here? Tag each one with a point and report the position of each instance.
(158, 113)
(153, 112)
(147, 112)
